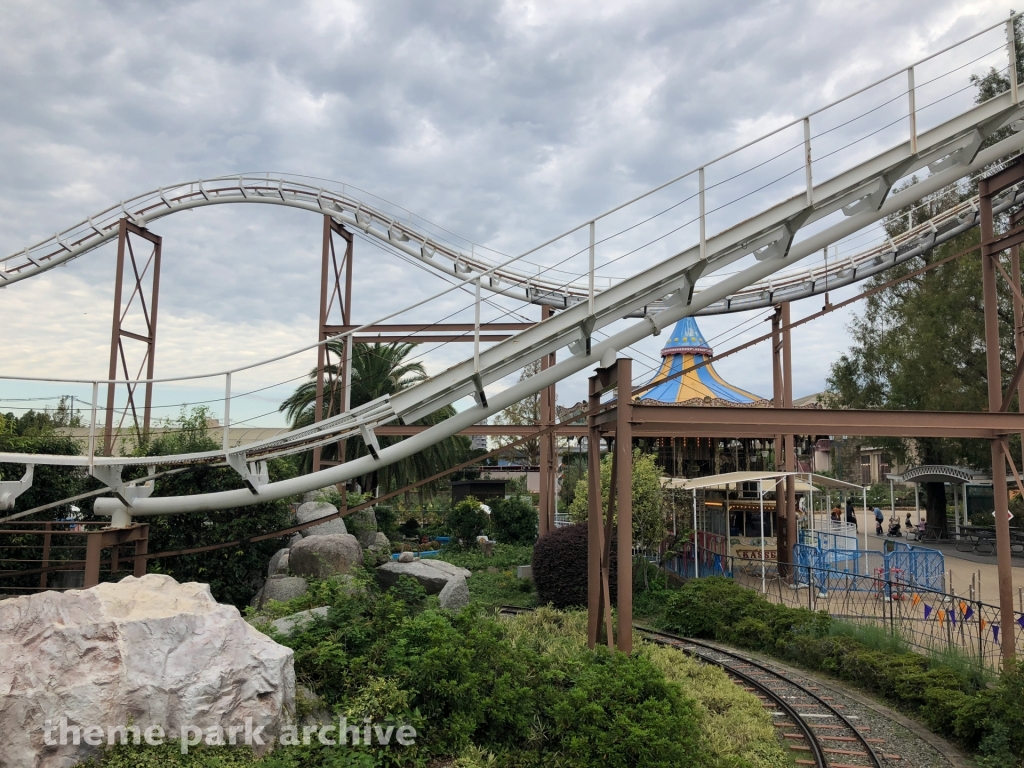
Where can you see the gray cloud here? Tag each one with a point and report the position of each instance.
(504, 122)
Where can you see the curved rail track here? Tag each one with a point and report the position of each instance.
(809, 723)
(816, 730)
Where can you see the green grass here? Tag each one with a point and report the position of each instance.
(870, 636)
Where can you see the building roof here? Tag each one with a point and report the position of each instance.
(940, 473)
(685, 348)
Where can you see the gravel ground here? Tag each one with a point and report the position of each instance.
(913, 742)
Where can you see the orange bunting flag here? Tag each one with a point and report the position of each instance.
(983, 623)
(942, 615)
(915, 600)
(963, 607)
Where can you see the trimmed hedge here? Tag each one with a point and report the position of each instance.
(560, 567)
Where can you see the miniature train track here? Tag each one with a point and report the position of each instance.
(822, 735)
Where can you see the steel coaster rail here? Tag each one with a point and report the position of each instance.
(66, 251)
(578, 362)
(859, 192)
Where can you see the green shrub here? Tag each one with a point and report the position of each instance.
(560, 567)
(514, 520)
(467, 520)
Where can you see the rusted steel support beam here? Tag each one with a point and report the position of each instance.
(594, 509)
(790, 438)
(990, 250)
(698, 421)
(141, 266)
(335, 297)
(548, 454)
(624, 498)
(100, 539)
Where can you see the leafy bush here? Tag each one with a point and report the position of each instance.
(467, 520)
(560, 567)
(514, 520)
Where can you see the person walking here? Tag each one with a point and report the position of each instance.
(851, 514)
(879, 517)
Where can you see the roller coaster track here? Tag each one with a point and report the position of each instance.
(659, 295)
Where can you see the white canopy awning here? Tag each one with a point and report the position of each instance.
(731, 479)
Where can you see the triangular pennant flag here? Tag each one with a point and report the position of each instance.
(941, 615)
(995, 633)
(1020, 621)
(984, 624)
(952, 618)
(969, 613)
(963, 607)
(915, 600)
(927, 610)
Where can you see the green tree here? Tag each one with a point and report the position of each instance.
(377, 370)
(234, 574)
(920, 344)
(524, 413)
(648, 516)
(467, 520)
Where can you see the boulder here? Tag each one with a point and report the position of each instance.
(147, 652)
(323, 556)
(364, 526)
(455, 595)
(278, 563)
(312, 510)
(432, 579)
(380, 543)
(448, 568)
(296, 537)
(286, 624)
(406, 557)
(311, 708)
(282, 588)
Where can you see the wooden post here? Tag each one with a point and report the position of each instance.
(594, 505)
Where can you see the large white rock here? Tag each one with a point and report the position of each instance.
(313, 510)
(148, 651)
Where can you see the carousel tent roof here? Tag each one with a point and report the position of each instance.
(685, 348)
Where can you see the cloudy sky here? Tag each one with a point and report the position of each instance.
(504, 122)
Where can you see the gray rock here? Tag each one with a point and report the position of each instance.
(312, 510)
(312, 707)
(455, 595)
(524, 572)
(432, 579)
(406, 557)
(327, 555)
(364, 526)
(296, 537)
(448, 568)
(380, 543)
(278, 563)
(255, 602)
(282, 588)
(286, 624)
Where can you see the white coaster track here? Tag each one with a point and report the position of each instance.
(660, 295)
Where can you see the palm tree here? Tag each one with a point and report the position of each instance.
(377, 370)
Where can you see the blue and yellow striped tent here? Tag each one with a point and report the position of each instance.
(685, 348)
